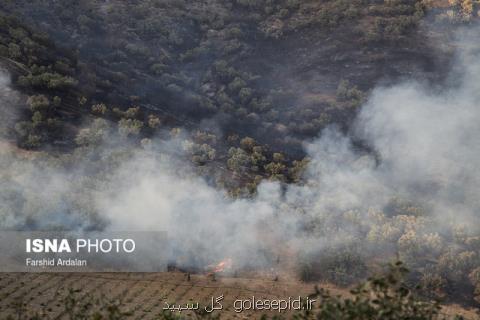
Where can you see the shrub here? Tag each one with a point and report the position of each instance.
(128, 127)
(32, 141)
(245, 94)
(237, 84)
(247, 143)
(14, 51)
(38, 102)
(47, 80)
(474, 278)
(238, 160)
(382, 297)
(347, 92)
(342, 266)
(153, 121)
(305, 271)
(132, 112)
(201, 153)
(57, 101)
(274, 168)
(456, 266)
(433, 284)
(93, 135)
(37, 119)
(278, 157)
(158, 68)
(99, 108)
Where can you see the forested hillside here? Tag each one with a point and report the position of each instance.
(340, 133)
(275, 71)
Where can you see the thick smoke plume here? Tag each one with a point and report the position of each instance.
(425, 151)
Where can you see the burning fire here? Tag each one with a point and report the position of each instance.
(221, 266)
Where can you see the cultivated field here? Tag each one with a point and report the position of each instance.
(143, 295)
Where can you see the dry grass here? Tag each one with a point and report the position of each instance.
(144, 294)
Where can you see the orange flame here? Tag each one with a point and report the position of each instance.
(222, 266)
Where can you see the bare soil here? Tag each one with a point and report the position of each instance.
(145, 294)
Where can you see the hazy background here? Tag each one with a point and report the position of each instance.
(425, 149)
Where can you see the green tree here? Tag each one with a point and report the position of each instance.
(99, 108)
(247, 143)
(129, 127)
(38, 102)
(95, 134)
(153, 121)
(382, 297)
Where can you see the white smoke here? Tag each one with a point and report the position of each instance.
(425, 150)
